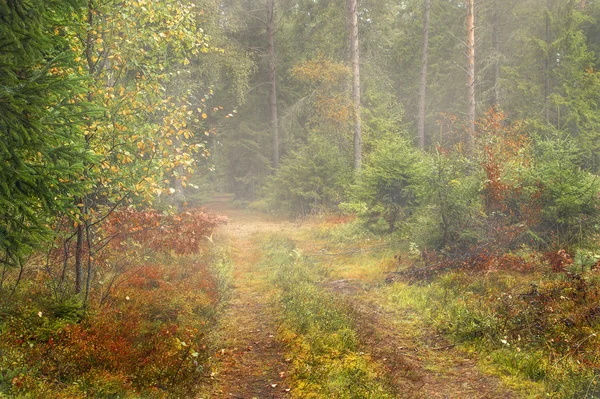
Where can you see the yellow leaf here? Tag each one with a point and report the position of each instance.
(204, 116)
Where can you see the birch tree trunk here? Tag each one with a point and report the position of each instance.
(355, 57)
(424, 64)
(273, 81)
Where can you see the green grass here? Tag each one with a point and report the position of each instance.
(325, 355)
(519, 340)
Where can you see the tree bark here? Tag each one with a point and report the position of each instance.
(581, 5)
(547, 63)
(496, 44)
(471, 71)
(81, 202)
(88, 278)
(272, 65)
(424, 65)
(355, 57)
(79, 255)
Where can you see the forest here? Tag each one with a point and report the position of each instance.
(299, 199)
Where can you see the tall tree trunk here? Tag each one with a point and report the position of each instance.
(423, 83)
(273, 80)
(81, 202)
(581, 5)
(496, 44)
(354, 55)
(547, 63)
(471, 71)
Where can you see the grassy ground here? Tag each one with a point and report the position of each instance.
(311, 309)
(320, 292)
(536, 330)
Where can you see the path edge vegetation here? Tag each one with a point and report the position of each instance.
(118, 118)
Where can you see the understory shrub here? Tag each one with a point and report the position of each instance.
(144, 329)
(450, 215)
(392, 181)
(310, 179)
(569, 197)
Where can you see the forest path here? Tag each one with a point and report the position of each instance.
(251, 361)
(419, 362)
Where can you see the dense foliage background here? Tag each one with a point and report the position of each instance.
(110, 110)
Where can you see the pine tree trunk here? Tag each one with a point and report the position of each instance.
(355, 57)
(471, 71)
(272, 65)
(496, 44)
(423, 83)
(547, 64)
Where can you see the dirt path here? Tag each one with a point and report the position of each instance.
(251, 363)
(419, 363)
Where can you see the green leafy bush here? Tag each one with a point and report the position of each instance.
(310, 179)
(451, 214)
(392, 181)
(569, 197)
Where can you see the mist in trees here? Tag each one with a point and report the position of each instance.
(110, 105)
(461, 126)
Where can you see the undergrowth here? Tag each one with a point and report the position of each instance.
(326, 361)
(148, 337)
(535, 328)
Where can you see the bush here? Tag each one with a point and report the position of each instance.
(311, 179)
(451, 215)
(392, 181)
(569, 197)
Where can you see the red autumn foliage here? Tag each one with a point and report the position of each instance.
(558, 260)
(504, 146)
(146, 326)
(182, 233)
(151, 334)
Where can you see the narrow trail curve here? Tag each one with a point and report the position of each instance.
(420, 363)
(251, 362)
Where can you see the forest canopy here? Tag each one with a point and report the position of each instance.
(465, 130)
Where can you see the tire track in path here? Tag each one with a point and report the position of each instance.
(251, 362)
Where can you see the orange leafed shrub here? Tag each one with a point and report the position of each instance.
(146, 326)
(182, 233)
